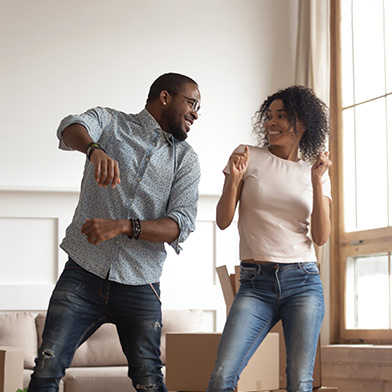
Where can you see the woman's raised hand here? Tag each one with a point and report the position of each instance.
(239, 162)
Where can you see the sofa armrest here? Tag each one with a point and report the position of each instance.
(11, 368)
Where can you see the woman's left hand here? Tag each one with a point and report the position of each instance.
(321, 165)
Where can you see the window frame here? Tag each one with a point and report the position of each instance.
(344, 244)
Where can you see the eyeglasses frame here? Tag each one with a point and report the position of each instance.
(195, 103)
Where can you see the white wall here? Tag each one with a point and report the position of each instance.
(61, 57)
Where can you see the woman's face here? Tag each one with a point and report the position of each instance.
(278, 129)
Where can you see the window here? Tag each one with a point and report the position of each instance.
(361, 102)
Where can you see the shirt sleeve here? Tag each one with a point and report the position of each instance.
(184, 197)
(94, 120)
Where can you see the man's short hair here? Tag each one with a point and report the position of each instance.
(169, 82)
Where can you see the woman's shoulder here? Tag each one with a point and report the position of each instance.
(257, 152)
(252, 149)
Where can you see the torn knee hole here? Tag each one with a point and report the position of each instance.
(145, 387)
(48, 353)
(157, 325)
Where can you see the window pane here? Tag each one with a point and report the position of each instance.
(371, 165)
(367, 292)
(389, 123)
(347, 54)
(369, 62)
(388, 43)
(349, 171)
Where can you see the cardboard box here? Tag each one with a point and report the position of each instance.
(321, 389)
(11, 368)
(230, 285)
(190, 360)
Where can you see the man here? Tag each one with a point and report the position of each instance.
(139, 190)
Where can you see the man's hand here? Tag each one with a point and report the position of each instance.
(107, 172)
(98, 230)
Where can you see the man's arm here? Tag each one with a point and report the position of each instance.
(107, 171)
(157, 230)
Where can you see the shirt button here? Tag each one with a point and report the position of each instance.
(117, 242)
(131, 199)
(138, 178)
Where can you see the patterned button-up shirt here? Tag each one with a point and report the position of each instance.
(159, 178)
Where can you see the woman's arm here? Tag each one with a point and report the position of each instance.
(321, 223)
(232, 189)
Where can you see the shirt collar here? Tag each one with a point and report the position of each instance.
(151, 124)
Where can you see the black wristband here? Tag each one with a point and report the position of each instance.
(91, 147)
(133, 229)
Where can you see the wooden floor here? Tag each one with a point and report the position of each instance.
(355, 368)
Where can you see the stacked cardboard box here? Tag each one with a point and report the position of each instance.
(11, 368)
(190, 359)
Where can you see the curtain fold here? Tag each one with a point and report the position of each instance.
(312, 65)
(313, 46)
(313, 70)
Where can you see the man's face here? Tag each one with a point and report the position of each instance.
(182, 111)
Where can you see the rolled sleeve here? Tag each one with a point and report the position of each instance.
(183, 200)
(94, 120)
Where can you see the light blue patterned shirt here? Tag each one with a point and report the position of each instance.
(159, 178)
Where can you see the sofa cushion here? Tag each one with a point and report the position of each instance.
(98, 379)
(17, 329)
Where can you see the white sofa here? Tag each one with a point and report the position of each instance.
(99, 364)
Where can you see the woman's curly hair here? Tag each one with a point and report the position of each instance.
(301, 104)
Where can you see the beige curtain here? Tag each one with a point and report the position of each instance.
(313, 59)
(313, 46)
(313, 70)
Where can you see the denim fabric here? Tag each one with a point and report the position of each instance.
(81, 302)
(270, 292)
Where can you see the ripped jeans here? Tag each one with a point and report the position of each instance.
(268, 293)
(81, 302)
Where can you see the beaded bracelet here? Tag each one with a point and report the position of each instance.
(136, 229)
(91, 147)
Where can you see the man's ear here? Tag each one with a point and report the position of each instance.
(164, 97)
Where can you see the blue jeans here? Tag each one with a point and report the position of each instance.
(81, 302)
(268, 293)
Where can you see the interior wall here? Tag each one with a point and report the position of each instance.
(64, 57)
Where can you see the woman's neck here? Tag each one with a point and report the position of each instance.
(283, 152)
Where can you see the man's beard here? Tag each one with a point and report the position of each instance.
(178, 132)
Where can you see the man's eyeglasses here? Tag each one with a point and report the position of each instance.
(195, 103)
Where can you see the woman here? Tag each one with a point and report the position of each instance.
(278, 194)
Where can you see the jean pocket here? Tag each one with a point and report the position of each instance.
(247, 274)
(310, 268)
